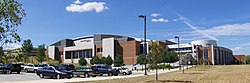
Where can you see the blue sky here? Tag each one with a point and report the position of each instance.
(227, 21)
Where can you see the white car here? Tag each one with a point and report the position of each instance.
(123, 70)
(31, 67)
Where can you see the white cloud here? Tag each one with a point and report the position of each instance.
(175, 20)
(77, 2)
(172, 40)
(87, 7)
(229, 29)
(11, 46)
(155, 14)
(159, 20)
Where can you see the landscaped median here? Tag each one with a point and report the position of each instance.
(200, 74)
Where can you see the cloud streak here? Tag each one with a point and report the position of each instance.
(188, 23)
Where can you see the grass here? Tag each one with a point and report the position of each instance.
(202, 74)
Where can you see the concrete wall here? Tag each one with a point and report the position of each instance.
(108, 47)
(51, 52)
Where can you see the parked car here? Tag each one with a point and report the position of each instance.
(10, 67)
(54, 71)
(68, 66)
(86, 71)
(123, 70)
(31, 67)
(105, 69)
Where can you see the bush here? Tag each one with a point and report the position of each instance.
(82, 61)
(95, 60)
(118, 60)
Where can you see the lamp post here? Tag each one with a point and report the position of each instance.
(144, 48)
(178, 51)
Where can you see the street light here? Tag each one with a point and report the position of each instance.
(144, 49)
(178, 51)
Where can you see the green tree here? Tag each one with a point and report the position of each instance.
(140, 59)
(26, 48)
(154, 55)
(109, 60)
(95, 60)
(1, 54)
(82, 61)
(41, 53)
(118, 60)
(11, 15)
(173, 56)
(19, 55)
(248, 59)
(104, 60)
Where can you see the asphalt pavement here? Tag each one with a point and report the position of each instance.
(33, 78)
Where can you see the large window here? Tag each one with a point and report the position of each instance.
(78, 54)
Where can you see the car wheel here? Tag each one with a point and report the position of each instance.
(18, 72)
(41, 75)
(35, 71)
(26, 70)
(124, 73)
(86, 75)
(58, 76)
(110, 74)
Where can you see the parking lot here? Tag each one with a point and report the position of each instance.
(18, 77)
(33, 78)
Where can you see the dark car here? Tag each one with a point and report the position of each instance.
(86, 71)
(105, 69)
(68, 66)
(54, 71)
(10, 68)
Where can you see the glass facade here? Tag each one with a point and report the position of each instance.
(78, 53)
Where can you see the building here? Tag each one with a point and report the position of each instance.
(17, 50)
(101, 45)
(205, 50)
(240, 58)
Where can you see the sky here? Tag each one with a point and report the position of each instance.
(227, 21)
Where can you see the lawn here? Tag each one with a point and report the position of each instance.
(202, 74)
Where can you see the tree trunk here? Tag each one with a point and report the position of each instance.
(156, 73)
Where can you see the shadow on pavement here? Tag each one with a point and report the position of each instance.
(165, 81)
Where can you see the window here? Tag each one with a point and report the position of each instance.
(68, 55)
(99, 50)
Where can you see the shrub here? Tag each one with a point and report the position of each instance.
(82, 61)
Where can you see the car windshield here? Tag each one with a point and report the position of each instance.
(124, 68)
(59, 68)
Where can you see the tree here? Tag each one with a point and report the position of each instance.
(11, 15)
(104, 60)
(82, 61)
(173, 57)
(41, 53)
(19, 55)
(248, 59)
(140, 59)
(26, 48)
(154, 55)
(1, 54)
(109, 60)
(95, 60)
(118, 60)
